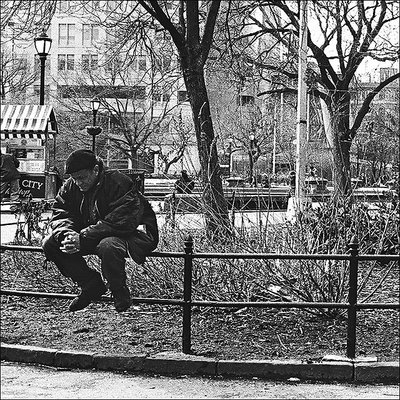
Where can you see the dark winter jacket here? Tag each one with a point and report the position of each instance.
(184, 184)
(8, 171)
(113, 207)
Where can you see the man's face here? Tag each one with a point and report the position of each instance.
(85, 179)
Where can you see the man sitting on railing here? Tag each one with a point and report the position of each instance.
(99, 211)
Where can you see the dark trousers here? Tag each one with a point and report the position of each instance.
(14, 189)
(112, 252)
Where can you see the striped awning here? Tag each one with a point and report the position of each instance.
(27, 121)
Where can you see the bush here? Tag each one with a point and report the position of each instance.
(327, 229)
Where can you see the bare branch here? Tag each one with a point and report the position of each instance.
(209, 28)
(367, 102)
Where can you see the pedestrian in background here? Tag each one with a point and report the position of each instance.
(99, 211)
(185, 184)
(9, 176)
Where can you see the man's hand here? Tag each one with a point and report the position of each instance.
(71, 243)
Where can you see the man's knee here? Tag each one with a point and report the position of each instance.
(111, 245)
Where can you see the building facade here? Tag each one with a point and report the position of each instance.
(145, 117)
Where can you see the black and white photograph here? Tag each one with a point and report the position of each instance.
(200, 199)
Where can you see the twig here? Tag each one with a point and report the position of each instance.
(280, 341)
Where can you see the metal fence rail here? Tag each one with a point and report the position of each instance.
(187, 302)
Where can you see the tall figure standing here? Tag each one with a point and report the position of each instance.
(9, 176)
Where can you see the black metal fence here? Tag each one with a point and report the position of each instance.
(352, 306)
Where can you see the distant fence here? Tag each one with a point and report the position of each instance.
(187, 302)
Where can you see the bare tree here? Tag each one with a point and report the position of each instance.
(23, 19)
(190, 26)
(128, 118)
(192, 33)
(16, 75)
(174, 150)
(376, 157)
(191, 29)
(349, 32)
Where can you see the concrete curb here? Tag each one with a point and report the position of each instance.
(173, 363)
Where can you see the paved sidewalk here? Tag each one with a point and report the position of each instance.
(31, 381)
(331, 369)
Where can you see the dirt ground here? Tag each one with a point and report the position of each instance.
(220, 334)
(227, 333)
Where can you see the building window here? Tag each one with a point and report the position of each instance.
(94, 61)
(113, 64)
(64, 6)
(61, 62)
(85, 62)
(159, 95)
(124, 92)
(70, 62)
(109, 64)
(36, 90)
(110, 36)
(139, 92)
(66, 62)
(245, 100)
(88, 91)
(142, 63)
(163, 63)
(182, 96)
(156, 96)
(37, 64)
(66, 35)
(137, 63)
(386, 73)
(65, 91)
(90, 61)
(90, 34)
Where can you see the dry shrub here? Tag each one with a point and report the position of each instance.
(324, 230)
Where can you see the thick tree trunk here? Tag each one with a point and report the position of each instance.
(134, 158)
(341, 167)
(216, 210)
(336, 123)
(341, 120)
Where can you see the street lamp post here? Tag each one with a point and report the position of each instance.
(251, 160)
(42, 45)
(94, 130)
(95, 102)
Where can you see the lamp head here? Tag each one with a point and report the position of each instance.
(43, 44)
(95, 103)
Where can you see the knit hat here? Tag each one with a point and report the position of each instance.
(80, 159)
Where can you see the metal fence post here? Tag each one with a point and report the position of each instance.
(352, 310)
(187, 296)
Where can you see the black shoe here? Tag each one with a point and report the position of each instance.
(85, 298)
(122, 299)
(80, 302)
